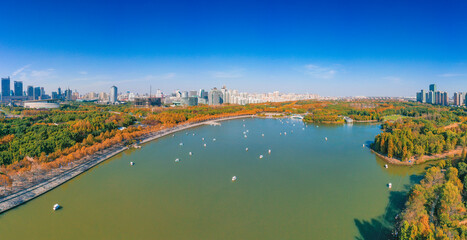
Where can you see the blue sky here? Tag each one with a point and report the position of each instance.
(332, 48)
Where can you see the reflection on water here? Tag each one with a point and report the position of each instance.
(307, 188)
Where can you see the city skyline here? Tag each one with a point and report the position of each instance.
(320, 48)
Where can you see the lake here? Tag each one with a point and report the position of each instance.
(307, 188)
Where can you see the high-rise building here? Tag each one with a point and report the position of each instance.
(421, 96)
(5, 87)
(433, 87)
(18, 85)
(113, 94)
(37, 93)
(459, 99)
(103, 97)
(158, 93)
(68, 95)
(192, 94)
(30, 92)
(215, 97)
(444, 99)
(430, 97)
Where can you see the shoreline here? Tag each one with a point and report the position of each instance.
(24, 195)
(417, 161)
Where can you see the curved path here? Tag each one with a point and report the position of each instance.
(22, 196)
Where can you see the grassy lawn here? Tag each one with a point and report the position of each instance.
(393, 117)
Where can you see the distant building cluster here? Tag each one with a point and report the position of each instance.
(433, 96)
(35, 97)
(228, 96)
(31, 93)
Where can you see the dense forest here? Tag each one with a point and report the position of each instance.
(435, 208)
(427, 132)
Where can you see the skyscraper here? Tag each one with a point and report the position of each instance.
(37, 93)
(459, 99)
(113, 94)
(433, 87)
(5, 87)
(18, 85)
(68, 95)
(30, 91)
(215, 97)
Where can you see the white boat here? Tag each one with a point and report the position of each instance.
(193, 134)
(190, 153)
(262, 135)
(205, 145)
(285, 133)
(245, 136)
(260, 156)
(234, 178)
(243, 125)
(280, 133)
(385, 166)
(56, 207)
(303, 128)
(246, 149)
(269, 151)
(389, 185)
(213, 139)
(177, 160)
(181, 144)
(247, 130)
(326, 138)
(132, 163)
(363, 145)
(202, 139)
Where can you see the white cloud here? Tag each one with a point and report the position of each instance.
(83, 73)
(447, 75)
(234, 73)
(319, 72)
(20, 70)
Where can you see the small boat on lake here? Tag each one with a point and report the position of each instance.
(269, 151)
(234, 178)
(202, 139)
(132, 163)
(177, 160)
(260, 156)
(190, 153)
(246, 149)
(181, 144)
(204, 145)
(262, 135)
(389, 185)
(213, 139)
(385, 166)
(326, 138)
(56, 207)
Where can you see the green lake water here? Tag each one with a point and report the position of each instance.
(307, 188)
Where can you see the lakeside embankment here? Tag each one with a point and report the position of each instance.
(423, 159)
(19, 196)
